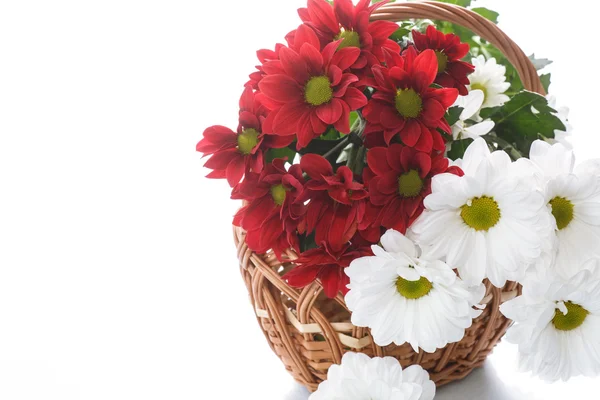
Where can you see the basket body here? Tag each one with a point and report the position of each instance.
(310, 332)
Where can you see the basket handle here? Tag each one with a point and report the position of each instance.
(470, 20)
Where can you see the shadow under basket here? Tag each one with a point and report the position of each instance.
(310, 332)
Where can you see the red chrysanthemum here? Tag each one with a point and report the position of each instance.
(308, 90)
(273, 212)
(264, 56)
(405, 103)
(452, 72)
(326, 265)
(399, 178)
(337, 203)
(351, 23)
(235, 153)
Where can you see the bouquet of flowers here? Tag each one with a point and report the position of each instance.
(405, 165)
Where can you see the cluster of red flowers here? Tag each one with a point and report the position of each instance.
(335, 63)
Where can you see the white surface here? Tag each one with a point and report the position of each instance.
(118, 279)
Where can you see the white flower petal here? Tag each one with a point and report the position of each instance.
(395, 242)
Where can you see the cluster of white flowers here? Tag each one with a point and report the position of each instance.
(487, 89)
(535, 221)
(502, 220)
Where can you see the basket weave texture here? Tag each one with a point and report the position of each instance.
(310, 332)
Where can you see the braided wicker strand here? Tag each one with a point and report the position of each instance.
(309, 332)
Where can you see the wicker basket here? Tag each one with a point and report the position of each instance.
(310, 332)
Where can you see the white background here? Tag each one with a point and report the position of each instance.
(118, 277)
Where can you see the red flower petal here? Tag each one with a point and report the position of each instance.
(446, 97)
(382, 29)
(344, 58)
(355, 98)
(215, 138)
(287, 117)
(343, 124)
(294, 65)
(321, 12)
(411, 133)
(313, 57)
(344, 11)
(424, 162)
(426, 62)
(330, 112)
(425, 142)
(247, 100)
(302, 276)
(315, 166)
(281, 88)
(235, 171)
(432, 112)
(331, 279)
(305, 131)
(377, 160)
(335, 75)
(221, 159)
(388, 183)
(304, 34)
(438, 141)
(249, 120)
(391, 119)
(316, 123)
(395, 157)
(342, 86)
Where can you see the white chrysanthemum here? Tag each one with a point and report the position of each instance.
(489, 77)
(573, 196)
(471, 105)
(563, 114)
(359, 377)
(557, 324)
(405, 297)
(490, 223)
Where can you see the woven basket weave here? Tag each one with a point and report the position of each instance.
(310, 332)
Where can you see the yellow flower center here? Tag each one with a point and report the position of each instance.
(408, 103)
(442, 60)
(278, 193)
(572, 319)
(351, 39)
(482, 214)
(318, 91)
(562, 209)
(247, 141)
(413, 289)
(410, 183)
(479, 86)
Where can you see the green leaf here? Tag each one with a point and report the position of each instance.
(453, 115)
(464, 3)
(545, 78)
(330, 134)
(307, 242)
(458, 148)
(518, 124)
(487, 13)
(379, 1)
(488, 112)
(281, 153)
(539, 63)
(400, 34)
(353, 118)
